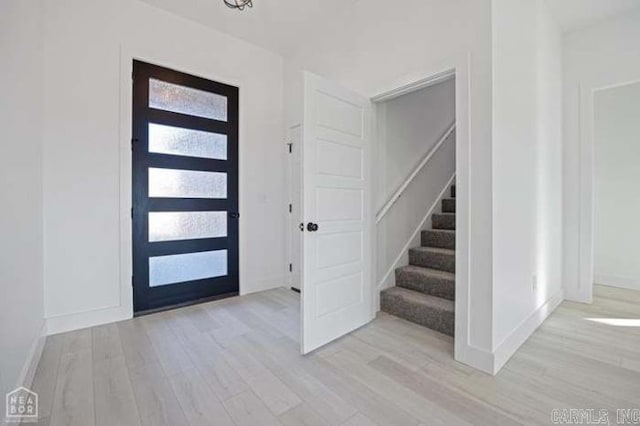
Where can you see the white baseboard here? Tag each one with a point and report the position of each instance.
(276, 281)
(77, 321)
(510, 345)
(617, 281)
(492, 363)
(32, 360)
(475, 357)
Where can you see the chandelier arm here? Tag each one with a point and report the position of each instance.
(238, 4)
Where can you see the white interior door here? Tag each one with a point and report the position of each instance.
(337, 283)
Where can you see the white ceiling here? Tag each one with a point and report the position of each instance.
(282, 25)
(576, 14)
(276, 25)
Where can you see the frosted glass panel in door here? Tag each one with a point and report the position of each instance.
(176, 268)
(174, 183)
(187, 142)
(169, 226)
(187, 100)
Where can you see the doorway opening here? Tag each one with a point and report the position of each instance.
(184, 189)
(338, 200)
(616, 183)
(416, 202)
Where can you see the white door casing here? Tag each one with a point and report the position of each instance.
(337, 281)
(295, 206)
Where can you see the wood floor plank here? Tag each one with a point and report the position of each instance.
(281, 359)
(156, 400)
(246, 409)
(237, 361)
(389, 389)
(75, 341)
(136, 346)
(105, 343)
(494, 391)
(241, 358)
(73, 403)
(359, 419)
(359, 395)
(230, 329)
(302, 415)
(222, 378)
(113, 395)
(275, 394)
(198, 402)
(168, 348)
(470, 409)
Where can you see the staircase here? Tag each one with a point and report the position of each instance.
(425, 289)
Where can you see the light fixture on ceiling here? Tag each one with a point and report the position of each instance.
(238, 4)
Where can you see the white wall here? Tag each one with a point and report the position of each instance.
(617, 186)
(21, 292)
(527, 167)
(377, 46)
(88, 49)
(603, 55)
(408, 127)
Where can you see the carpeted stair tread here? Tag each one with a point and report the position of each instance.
(440, 238)
(425, 289)
(426, 280)
(430, 311)
(443, 221)
(432, 257)
(448, 205)
(435, 250)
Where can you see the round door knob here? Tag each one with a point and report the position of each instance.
(312, 227)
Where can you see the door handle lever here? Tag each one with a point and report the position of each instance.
(234, 215)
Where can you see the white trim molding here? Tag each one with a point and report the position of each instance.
(492, 362)
(30, 366)
(465, 347)
(80, 320)
(583, 290)
(505, 350)
(431, 80)
(617, 281)
(425, 160)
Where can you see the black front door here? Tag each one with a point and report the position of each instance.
(185, 188)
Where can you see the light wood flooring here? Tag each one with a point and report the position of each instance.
(237, 361)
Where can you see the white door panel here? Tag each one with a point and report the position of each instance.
(337, 286)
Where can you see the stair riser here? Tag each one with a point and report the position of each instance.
(448, 205)
(433, 286)
(439, 261)
(443, 221)
(435, 319)
(446, 240)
